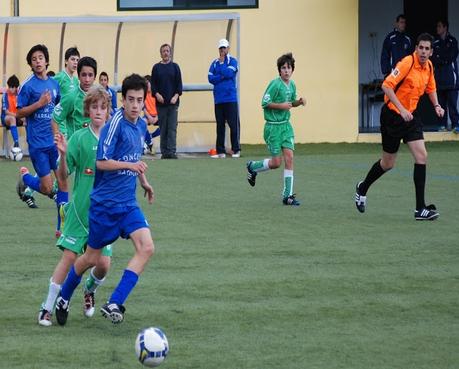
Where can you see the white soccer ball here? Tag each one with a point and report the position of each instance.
(151, 347)
(16, 154)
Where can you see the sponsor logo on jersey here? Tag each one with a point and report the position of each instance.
(395, 72)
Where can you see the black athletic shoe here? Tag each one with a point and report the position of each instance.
(291, 200)
(30, 201)
(427, 213)
(360, 200)
(62, 310)
(20, 187)
(251, 175)
(113, 311)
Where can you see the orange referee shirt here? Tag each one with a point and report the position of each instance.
(418, 80)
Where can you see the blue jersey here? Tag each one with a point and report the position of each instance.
(119, 140)
(39, 131)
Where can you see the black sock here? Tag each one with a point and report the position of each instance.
(375, 172)
(419, 177)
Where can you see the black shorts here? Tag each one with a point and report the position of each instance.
(394, 129)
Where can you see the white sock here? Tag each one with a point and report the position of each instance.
(53, 291)
(288, 183)
(266, 164)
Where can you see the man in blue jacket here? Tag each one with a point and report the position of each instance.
(444, 59)
(396, 46)
(222, 75)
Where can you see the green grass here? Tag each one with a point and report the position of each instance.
(241, 281)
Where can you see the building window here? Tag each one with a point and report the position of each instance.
(184, 4)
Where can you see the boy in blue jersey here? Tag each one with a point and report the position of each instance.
(114, 211)
(37, 98)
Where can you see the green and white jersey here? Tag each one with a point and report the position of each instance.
(278, 92)
(66, 83)
(69, 113)
(81, 159)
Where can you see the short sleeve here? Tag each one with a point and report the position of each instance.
(23, 97)
(399, 73)
(108, 139)
(270, 94)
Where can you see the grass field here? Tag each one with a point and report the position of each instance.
(241, 281)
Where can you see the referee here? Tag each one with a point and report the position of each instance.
(412, 77)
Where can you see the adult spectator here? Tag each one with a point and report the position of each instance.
(444, 59)
(222, 74)
(166, 87)
(396, 46)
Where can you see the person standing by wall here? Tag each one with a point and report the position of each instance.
(444, 59)
(222, 75)
(166, 87)
(396, 46)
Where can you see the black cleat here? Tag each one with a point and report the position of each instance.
(427, 213)
(360, 200)
(291, 200)
(113, 311)
(62, 310)
(30, 201)
(251, 175)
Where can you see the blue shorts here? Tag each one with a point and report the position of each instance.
(108, 224)
(44, 160)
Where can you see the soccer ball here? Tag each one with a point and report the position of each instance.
(151, 347)
(16, 154)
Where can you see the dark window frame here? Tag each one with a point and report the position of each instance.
(120, 8)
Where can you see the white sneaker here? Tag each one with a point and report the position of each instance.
(236, 155)
(44, 318)
(88, 304)
(218, 156)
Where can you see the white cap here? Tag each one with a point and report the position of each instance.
(223, 43)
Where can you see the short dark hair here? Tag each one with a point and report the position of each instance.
(425, 37)
(104, 74)
(444, 22)
(13, 81)
(400, 16)
(286, 58)
(134, 82)
(50, 73)
(87, 61)
(71, 51)
(164, 45)
(39, 47)
(147, 77)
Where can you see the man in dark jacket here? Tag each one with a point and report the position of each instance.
(396, 46)
(444, 59)
(222, 75)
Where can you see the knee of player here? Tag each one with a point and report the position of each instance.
(421, 158)
(103, 265)
(147, 249)
(275, 163)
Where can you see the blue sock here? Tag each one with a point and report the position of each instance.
(156, 133)
(62, 197)
(14, 133)
(124, 288)
(147, 138)
(32, 181)
(70, 284)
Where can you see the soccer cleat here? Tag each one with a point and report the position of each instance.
(16, 144)
(113, 311)
(44, 318)
(236, 154)
(62, 310)
(251, 175)
(360, 200)
(218, 156)
(20, 186)
(291, 200)
(30, 201)
(427, 213)
(88, 304)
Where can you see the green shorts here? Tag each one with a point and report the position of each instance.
(278, 137)
(78, 245)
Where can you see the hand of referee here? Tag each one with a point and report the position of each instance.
(406, 115)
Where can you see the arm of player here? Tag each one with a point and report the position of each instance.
(406, 115)
(149, 193)
(44, 99)
(438, 109)
(139, 167)
(280, 106)
(61, 145)
(300, 101)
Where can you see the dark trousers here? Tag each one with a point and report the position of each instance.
(227, 112)
(167, 116)
(448, 101)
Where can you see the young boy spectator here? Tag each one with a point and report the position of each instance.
(114, 211)
(279, 98)
(79, 157)
(103, 80)
(9, 102)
